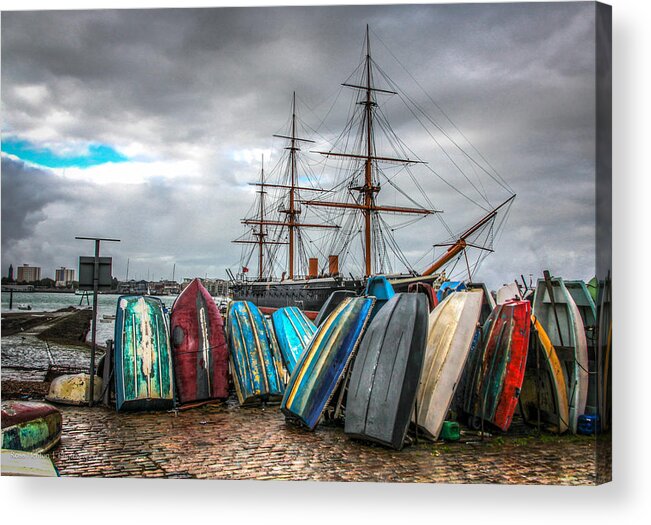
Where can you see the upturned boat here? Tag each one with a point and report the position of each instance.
(322, 365)
(256, 364)
(331, 303)
(143, 357)
(508, 292)
(199, 348)
(496, 367)
(452, 326)
(585, 303)
(488, 302)
(30, 426)
(386, 371)
(31, 464)
(427, 290)
(379, 287)
(294, 332)
(73, 389)
(543, 397)
(448, 287)
(558, 314)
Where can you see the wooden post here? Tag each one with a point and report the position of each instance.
(550, 290)
(11, 299)
(108, 372)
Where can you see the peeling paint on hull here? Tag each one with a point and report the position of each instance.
(143, 358)
(497, 367)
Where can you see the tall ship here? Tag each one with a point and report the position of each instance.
(310, 234)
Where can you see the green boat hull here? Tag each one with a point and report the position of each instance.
(143, 357)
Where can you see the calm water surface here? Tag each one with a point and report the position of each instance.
(49, 302)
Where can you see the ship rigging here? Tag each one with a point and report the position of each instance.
(349, 212)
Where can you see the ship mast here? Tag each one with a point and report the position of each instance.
(260, 233)
(260, 222)
(368, 191)
(292, 211)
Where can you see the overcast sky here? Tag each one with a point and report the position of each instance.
(147, 125)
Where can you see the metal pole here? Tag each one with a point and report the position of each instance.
(94, 325)
(93, 346)
(11, 299)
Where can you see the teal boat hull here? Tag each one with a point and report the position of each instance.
(379, 287)
(294, 332)
(561, 320)
(143, 356)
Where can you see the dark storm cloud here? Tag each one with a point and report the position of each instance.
(211, 85)
(26, 192)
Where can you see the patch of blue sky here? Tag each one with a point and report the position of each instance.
(95, 154)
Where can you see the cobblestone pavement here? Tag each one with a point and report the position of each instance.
(228, 442)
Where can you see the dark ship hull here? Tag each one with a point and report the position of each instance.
(308, 295)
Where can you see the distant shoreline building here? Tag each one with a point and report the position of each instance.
(216, 287)
(10, 274)
(64, 277)
(28, 274)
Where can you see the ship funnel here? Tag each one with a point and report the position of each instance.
(333, 265)
(313, 267)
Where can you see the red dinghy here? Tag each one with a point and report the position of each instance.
(198, 346)
(496, 368)
(520, 330)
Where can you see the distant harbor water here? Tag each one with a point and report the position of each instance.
(50, 302)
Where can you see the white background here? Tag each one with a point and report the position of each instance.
(626, 499)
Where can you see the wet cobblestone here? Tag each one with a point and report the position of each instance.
(228, 442)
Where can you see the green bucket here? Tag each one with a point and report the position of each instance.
(450, 431)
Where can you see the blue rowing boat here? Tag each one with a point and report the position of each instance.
(254, 357)
(323, 363)
(294, 332)
(380, 288)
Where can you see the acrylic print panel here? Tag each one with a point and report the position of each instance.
(256, 160)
